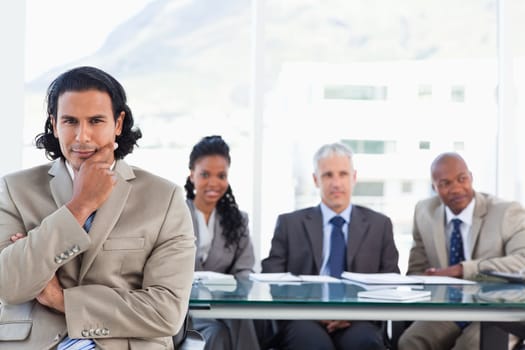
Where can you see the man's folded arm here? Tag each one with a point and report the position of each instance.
(34, 260)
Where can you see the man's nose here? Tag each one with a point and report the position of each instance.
(83, 132)
(336, 181)
(455, 187)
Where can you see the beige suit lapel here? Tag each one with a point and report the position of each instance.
(62, 190)
(438, 235)
(480, 210)
(107, 215)
(61, 183)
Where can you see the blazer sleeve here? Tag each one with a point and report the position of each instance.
(244, 256)
(159, 307)
(511, 257)
(277, 260)
(417, 261)
(57, 240)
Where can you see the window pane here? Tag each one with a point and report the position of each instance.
(398, 81)
(185, 66)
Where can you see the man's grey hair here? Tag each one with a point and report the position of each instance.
(330, 150)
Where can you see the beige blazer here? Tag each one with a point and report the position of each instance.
(497, 236)
(127, 282)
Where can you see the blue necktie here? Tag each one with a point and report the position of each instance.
(79, 344)
(337, 259)
(89, 221)
(456, 254)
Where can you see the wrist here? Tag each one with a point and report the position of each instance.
(460, 270)
(80, 212)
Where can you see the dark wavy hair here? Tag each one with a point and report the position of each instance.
(83, 79)
(232, 222)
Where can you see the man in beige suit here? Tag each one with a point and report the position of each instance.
(490, 231)
(93, 252)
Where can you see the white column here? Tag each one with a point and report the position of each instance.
(257, 107)
(12, 39)
(508, 155)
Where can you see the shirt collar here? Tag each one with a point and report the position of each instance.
(465, 215)
(328, 213)
(72, 173)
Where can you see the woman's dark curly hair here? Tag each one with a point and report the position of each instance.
(232, 221)
(83, 79)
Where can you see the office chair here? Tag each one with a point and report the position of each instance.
(187, 338)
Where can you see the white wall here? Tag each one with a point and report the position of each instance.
(12, 30)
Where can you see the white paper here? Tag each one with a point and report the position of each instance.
(212, 277)
(442, 280)
(319, 278)
(275, 277)
(395, 294)
(381, 278)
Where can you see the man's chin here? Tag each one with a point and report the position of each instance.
(337, 206)
(76, 163)
(458, 207)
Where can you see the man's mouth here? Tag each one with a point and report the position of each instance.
(84, 153)
(457, 199)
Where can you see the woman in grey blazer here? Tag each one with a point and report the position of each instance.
(223, 240)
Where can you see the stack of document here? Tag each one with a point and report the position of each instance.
(398, 279)
(380, 278)
(215, 280)
(402, 294)
(287, 278)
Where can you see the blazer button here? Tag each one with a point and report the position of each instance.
(91, 332)
(58, 259)
(105, 331)
(98, 331)
(63, 256)
(75, 249)
(85, 333)
(70, 253)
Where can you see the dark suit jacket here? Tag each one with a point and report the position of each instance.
(297, 244)
(237, 259)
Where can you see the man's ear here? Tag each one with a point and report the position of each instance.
(316, 182)
(119, 123)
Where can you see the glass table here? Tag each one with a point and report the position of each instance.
(483, 302)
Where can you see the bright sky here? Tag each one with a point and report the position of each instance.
(60, 31)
